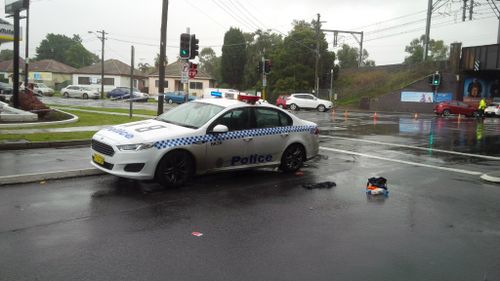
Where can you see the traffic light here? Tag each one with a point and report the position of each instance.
(436, 79)
(194, 46)
(267, 66)
(260, 68)
(185, 46)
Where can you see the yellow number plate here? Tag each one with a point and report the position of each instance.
(98, 159)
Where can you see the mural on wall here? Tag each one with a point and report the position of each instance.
(480, 88)
(425, 97)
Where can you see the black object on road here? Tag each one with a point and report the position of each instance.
(326, 184)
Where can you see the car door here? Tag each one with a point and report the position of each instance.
(270, 135)
(229, 150)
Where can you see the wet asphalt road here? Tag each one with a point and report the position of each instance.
(440, 221)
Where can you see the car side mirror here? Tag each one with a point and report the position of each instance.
(220, 129)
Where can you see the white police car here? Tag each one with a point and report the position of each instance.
(204, 136)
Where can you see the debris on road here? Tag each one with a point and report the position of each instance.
(197, 234)
(326, 184)
(377, 186)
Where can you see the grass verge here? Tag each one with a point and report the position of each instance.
(47, 137)
(116, 110)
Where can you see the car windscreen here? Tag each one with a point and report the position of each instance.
(191, 115)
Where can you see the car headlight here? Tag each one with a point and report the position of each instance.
(135, 147)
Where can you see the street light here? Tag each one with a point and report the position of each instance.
(102, 38)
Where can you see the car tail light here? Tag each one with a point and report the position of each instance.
(316, 131)
(498, 106)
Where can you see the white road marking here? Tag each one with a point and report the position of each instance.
(416, 147)
(473, 173)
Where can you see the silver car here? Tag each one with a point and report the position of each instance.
(72, 91)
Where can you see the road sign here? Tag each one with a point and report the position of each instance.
(192, 73)
(184, 77)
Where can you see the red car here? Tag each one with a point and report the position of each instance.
(281, 101)
(455, 107)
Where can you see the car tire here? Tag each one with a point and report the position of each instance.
(175, 169)
(292, 159)
(294, 107)
(65, 95)
(446, 112)
(475, 114)
(40, 93)
(170, 101)
(85, 96)
(321, 108)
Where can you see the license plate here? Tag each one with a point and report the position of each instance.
(98, 159)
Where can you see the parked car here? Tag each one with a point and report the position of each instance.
(41, 89)
(205, 136)
(455, 107)
(73, 91)
(124, 93)
(493, 109)
(177, 97)
(307, 101)
(281, 101)
(5, 92)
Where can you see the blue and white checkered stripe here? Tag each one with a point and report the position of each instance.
(232, 135)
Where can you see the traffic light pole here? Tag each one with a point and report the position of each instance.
(264, 78)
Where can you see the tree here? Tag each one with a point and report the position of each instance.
(210, 63)
(77, 56)
(66, 50)
(294, 62)
(259, 44)
(6, 55)
(145, 67)
(437, 50)
(233, 58)
(349, 57)
(157, 60)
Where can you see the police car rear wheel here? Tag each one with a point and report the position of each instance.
(292, 158)
(175, 169)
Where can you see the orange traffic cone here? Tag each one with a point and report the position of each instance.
(459, 118)
(346, 114)
(415, 116)
(375, 115)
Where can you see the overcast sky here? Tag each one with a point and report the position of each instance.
(389, 25)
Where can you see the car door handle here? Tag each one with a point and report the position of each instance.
(248, 139)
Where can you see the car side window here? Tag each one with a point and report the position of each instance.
(235, 120)
(269, 118)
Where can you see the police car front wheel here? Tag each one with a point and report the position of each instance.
(175, 169)
(292, 158)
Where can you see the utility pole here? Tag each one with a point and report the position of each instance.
(163, 50)
(26, 56)
(471, 9)
(16, 61)
(103, 39)
(360, 41)
(464, 10)
(316, 67)
(132, 54)
(428, 29)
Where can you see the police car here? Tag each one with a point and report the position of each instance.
(204, 136)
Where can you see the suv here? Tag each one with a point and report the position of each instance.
(305, 100)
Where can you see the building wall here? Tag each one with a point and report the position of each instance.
(392, 101)
(175, 85)
(93, 78)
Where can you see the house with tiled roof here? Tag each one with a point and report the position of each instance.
(7, 68)
(173, 80)
(116, 74)
(50, 72)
